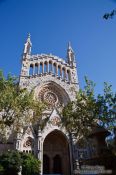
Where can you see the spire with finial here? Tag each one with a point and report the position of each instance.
(70, 54)
(69, 45)
(28, 45)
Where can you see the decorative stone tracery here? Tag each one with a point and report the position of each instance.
(55, 121)
(28, 143)
(51, 96)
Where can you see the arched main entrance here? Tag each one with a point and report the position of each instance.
(56, 158)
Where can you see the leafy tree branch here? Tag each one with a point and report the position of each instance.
(88, 110)
(18, 107)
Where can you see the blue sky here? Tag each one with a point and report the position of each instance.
(52, 23)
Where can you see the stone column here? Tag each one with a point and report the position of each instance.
(47, 67)
(65, 74)
(42, 67)
(61, 72)
(38, 67)
(51, 67)
(39, 151)
(56, 69)
(69, 76)
(33, 69)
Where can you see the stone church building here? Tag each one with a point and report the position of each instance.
(55, 81)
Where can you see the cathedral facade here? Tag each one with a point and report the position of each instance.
(55, 81)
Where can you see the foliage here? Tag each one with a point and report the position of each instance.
(106, 105)
(18, 107)
(30, 165)
(1, 169)
(82, 114)
(12, 161)
(109, 15)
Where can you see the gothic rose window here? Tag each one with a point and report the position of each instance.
(50, 98)
(50, 95)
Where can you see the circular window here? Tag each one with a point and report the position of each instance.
(50, 98)
(51, 95)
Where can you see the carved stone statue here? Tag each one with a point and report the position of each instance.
(70, 55)
(28, 44)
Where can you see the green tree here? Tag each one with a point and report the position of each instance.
(18, 107)
(11, 162)
(82, 114)
(30, 165)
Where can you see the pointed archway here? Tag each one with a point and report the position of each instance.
(56, 159)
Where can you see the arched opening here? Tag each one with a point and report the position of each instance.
(63, 73)
(50, 66)
(54, 68)
(36, 68)
(45, 67)
(56, 148)
(59, 71)
(41, 68)
(31, 69)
